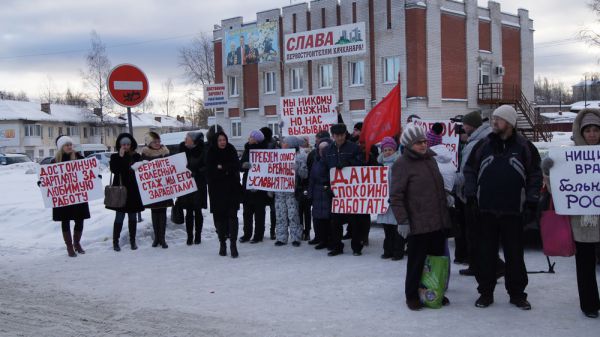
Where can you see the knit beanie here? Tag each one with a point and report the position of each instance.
(358, 126)
(62, 141)
(151, 136)
(411, 135)
(196, 136)
(125, 140)
(590, 118)
(473, 119)
(508, 113)
(257, 135)
(292, 141)
(433, 138)
(389, 142)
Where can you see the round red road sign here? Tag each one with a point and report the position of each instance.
(127, 85)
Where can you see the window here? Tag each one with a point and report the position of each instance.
(32, 130)
(233, 86)
(236, 128)
(485, 70)
(325, 76)
(391, 67)
(73, 131)
(115, 131)
(356, 71)
(296, 79)
(51, 132)
(269, 82)
(51, 152)
(41, 153)
(274, 126)
(84, 132)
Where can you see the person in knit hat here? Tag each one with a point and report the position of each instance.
(286, 205)
(434, 136)
(504, 179)
(254, 201)
(417, 197)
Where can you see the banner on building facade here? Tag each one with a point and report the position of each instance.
(70, 182)
(164, 178)
(9, 135)
(272, 170)
(575, 180)
(215, 96)
(449, 136)
(360, 190)
(307, 115)
(325, 43)
(250, 44)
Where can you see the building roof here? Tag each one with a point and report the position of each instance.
(577, 106)
(31, 111)
(559, 117)
(589, 82)
(139, 119)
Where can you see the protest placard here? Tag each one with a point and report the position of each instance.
(272, 170)
(307, 115)
(164, 178)
(449, 136)
(360, 190)
(70, 182)
(575, 179)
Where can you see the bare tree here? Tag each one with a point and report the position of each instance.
(198, 60)
(168, 102)
(588, 34)
(11, 96)
(551, 92)
(146, 105)
(47, 91)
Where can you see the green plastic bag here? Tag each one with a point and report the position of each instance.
(433, 281)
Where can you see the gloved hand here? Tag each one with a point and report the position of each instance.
(39, 183)
(100, 176)
(246, 165)
(270, 194)
(547, 164)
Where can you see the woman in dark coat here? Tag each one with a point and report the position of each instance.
(77, 212)
(417, 196)
(319, 193)
(193, 203)
(224, 190)
(155, 150)
(120, 166)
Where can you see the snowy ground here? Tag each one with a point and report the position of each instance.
(268, 291)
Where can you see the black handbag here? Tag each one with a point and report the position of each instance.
(177, 214)
(115, 196)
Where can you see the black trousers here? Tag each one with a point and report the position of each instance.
(493, 230)
(393, 244)
(254, 219)
(65, 224)
(304, 209)
(419, 246)
(337, 230)
(461, 250)
(227, 224)
(364, 222)
(585, 261)
(193, 219)
(323, 230)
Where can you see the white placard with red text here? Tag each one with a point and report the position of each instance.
(360, 190)
(272, 170)
(70, 182)
(164, 178)
(307, 115)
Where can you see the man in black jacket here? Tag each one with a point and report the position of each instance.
(502, 169)
(342, 154)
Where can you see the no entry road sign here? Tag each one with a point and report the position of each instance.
(127, 85)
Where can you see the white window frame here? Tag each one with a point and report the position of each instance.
(51, 152)
(273, 124)
(41, 153)
(33, 130)
(232, 84)
(50, 132)
(73, 131)
(356, 79)
(296, 79)
(483, 66)
(236, 128)
(328, 74)
(269, 82)
(391, 67)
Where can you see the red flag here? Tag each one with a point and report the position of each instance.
(384, 120)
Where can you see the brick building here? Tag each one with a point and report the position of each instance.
(442, 50)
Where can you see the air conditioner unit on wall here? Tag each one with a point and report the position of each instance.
(500, 70)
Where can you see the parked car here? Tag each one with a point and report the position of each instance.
(46, 160)
(103, 157)
(11, 158)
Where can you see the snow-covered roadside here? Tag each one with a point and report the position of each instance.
(268, 291)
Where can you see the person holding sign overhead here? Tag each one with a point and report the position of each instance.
(224, 190)
(77, 212)
(120, 166)
(155, 150)
(586, 228)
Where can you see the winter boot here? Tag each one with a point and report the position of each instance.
(162, 229)
(233, 248)
(223, 248)
(415, 304)
(132, 231)
(306, 236)
(198, 238)
(69, 243)
(189, 229)
(116, 236)
(76, 240)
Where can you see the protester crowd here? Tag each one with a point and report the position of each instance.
(483, 204)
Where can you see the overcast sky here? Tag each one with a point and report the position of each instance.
(42, 39)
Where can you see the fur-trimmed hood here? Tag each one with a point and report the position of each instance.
(577, 136)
